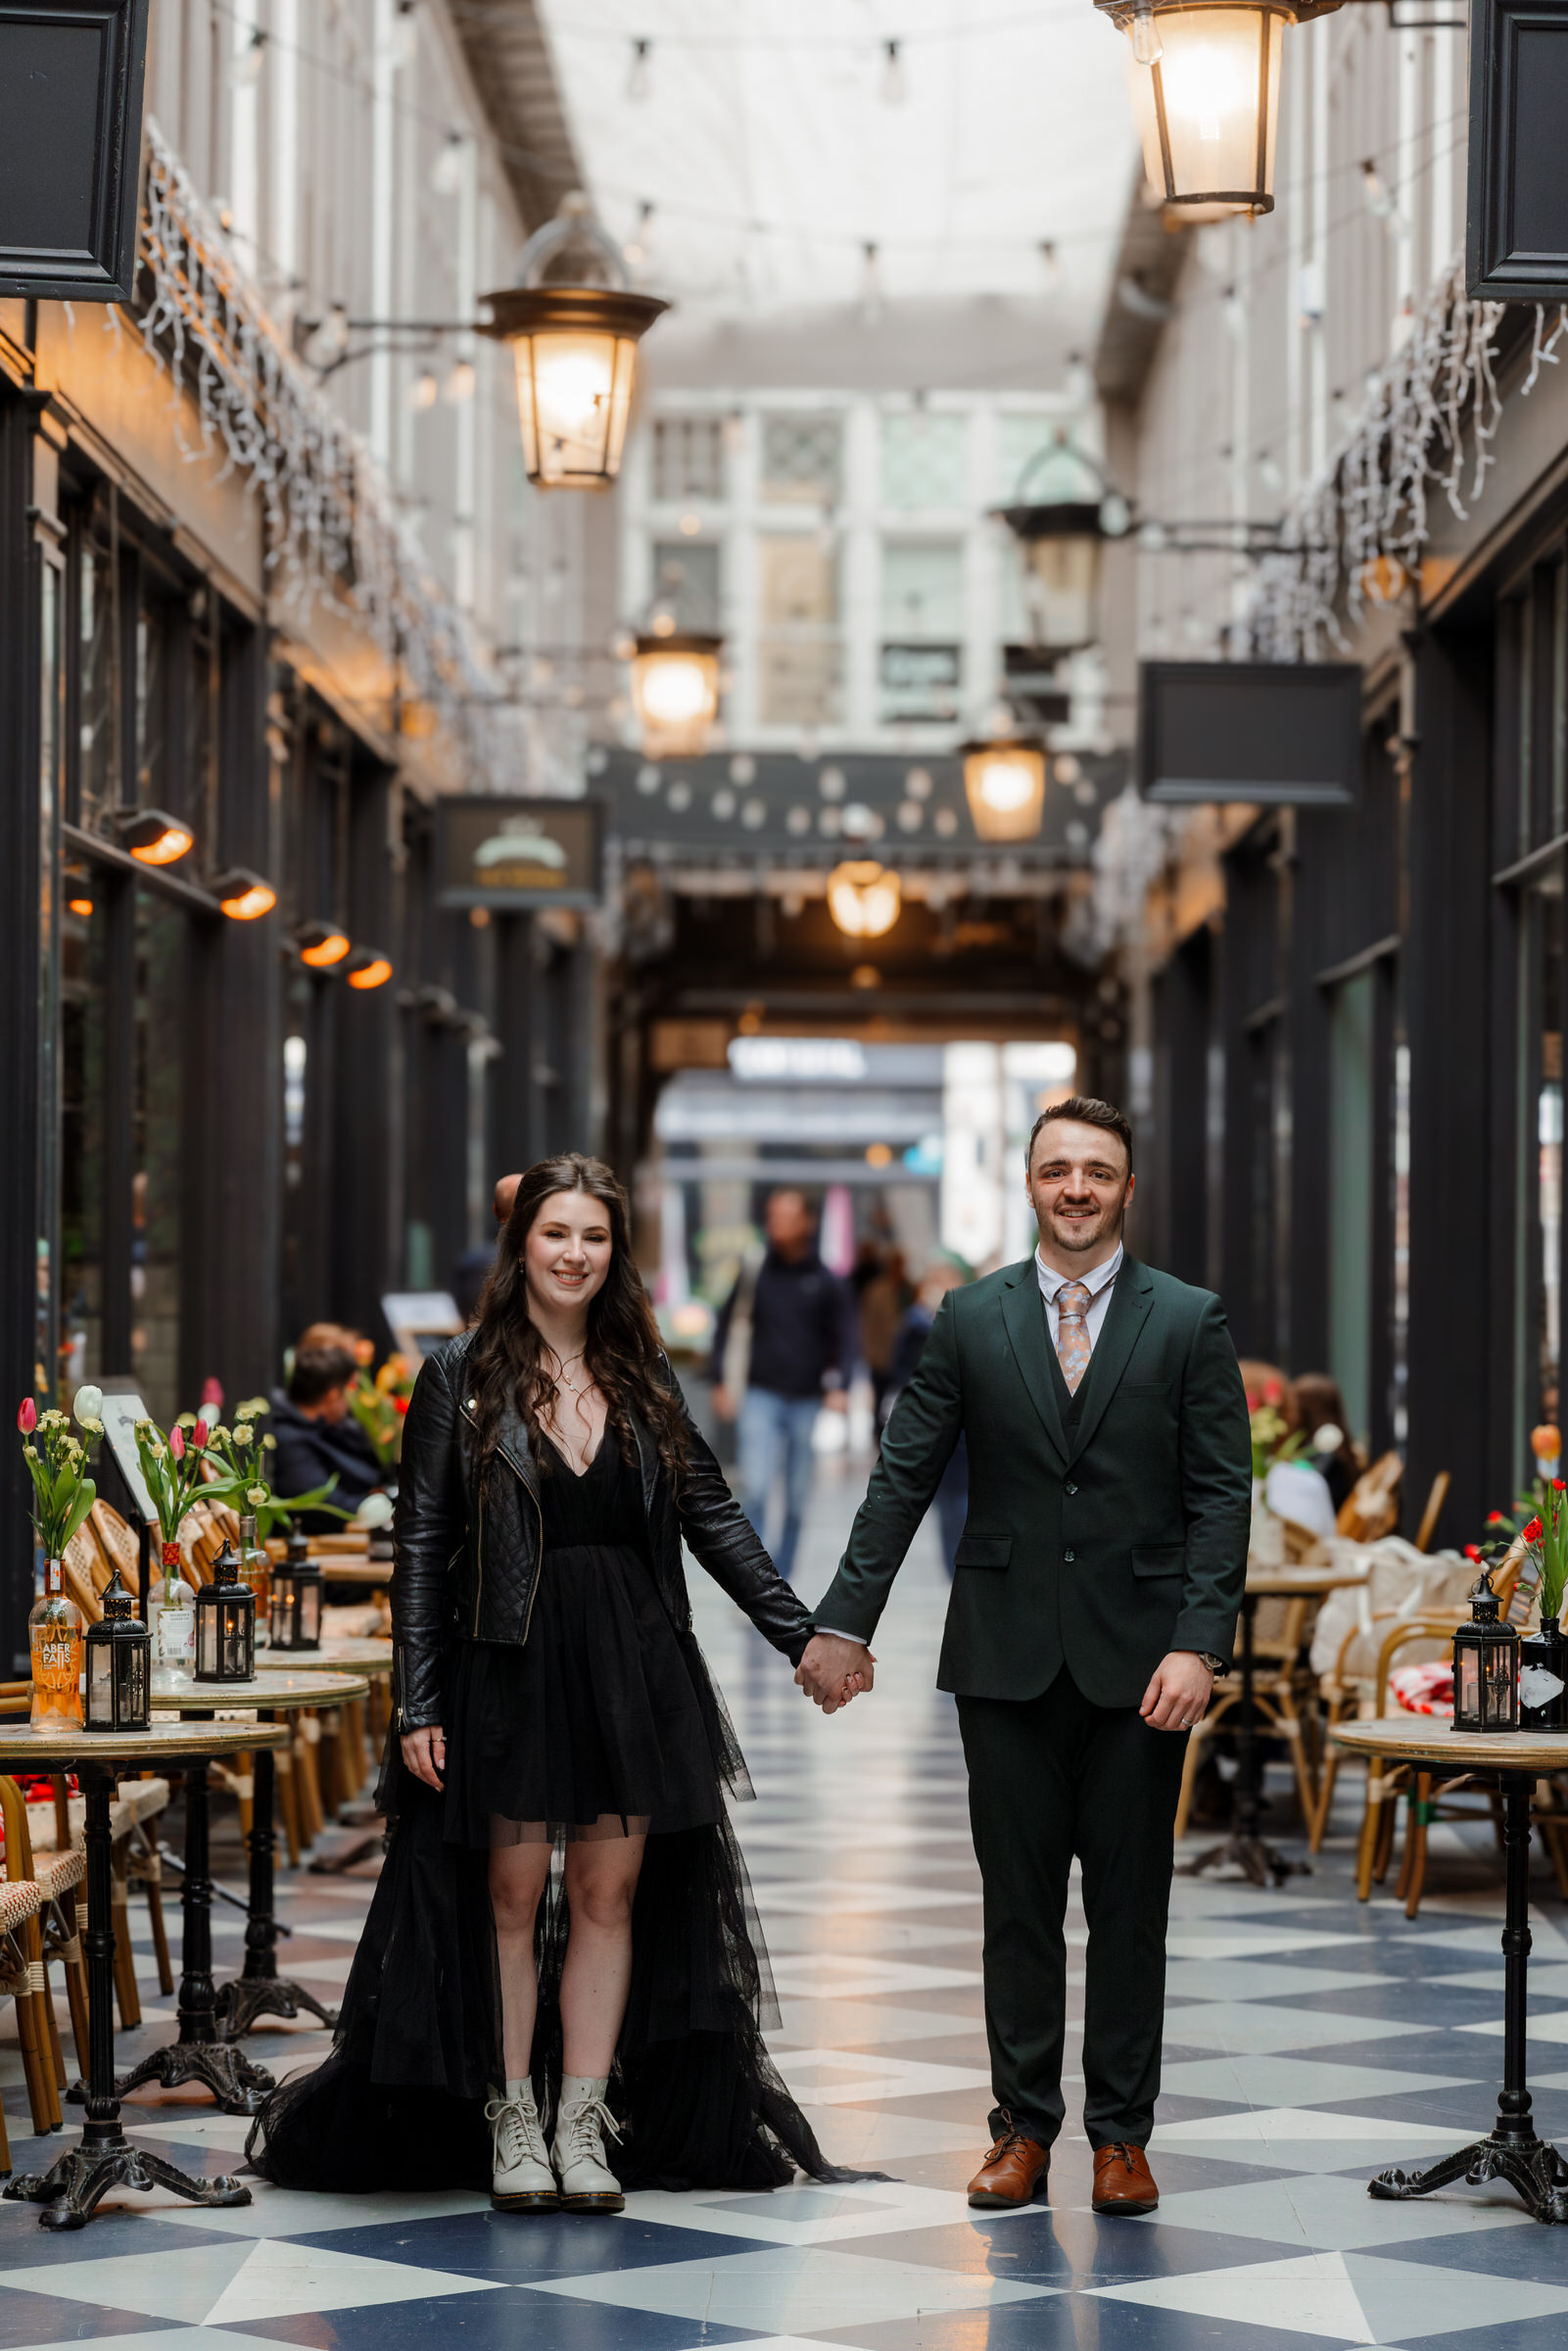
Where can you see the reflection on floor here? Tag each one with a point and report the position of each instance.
(1310, 2041)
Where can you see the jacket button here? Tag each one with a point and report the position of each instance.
(1070, 1488)
(1069, 1557)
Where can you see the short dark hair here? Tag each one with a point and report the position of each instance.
(1088, 1111)
(317, 1371)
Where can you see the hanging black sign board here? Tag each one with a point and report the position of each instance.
(1516, 225)
(71, 144)
(1281, 734)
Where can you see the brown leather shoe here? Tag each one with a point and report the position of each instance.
(1012, 2172)
(1122, 2180)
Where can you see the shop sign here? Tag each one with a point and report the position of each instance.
(1284, 735)
(72, 75)
(1516, 227)
(517, 854)
(922, 681)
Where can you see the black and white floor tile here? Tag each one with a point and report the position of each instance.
(1309, 2041)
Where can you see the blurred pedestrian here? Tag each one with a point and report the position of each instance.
(884, 1300)
(319, 1438)
(951, 1499)
(782, 1349)
(1320, 1418)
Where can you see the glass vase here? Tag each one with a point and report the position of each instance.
(1543, 1678)
(54, 1643)
(256, 1571)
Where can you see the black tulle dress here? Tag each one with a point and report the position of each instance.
(603, 1722)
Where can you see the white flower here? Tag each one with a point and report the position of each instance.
(158, 1451)
(374, 1510)
(256, 1495)
(94, 1428)
(87, 1404)
(244, 1434)
(1328, 1439)
(30, 1451)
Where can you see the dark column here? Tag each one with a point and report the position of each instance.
(1183, 1019)
(1462, 1059)
(515, 1088)
(363, 1253)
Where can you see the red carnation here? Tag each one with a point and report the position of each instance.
(1472, 1550)
(1560, 1485)
(26, 1415)
(1533, 1531)
(1496, 1519)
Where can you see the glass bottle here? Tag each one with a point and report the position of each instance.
(174, 1634)
(256, 1570)
(54, 1638)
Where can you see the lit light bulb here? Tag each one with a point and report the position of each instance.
(460, 384)
(246, 70)
(1147, 46)
(871, 283)
(424, 391)
(894, 81)
(1205, 85)
(404, 37)
(675, 690)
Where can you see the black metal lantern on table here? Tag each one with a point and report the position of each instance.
(295, 1618)
(1486, 1666)
(120, 1665)
(225, 1624)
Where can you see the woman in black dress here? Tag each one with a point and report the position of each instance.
(550, 1697)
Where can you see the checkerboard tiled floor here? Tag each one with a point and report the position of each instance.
(1308, 2042)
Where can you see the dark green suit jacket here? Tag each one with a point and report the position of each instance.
(1103, 1530)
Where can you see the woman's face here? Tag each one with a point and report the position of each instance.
(566, 1256)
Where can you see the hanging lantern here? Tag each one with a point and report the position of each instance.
(675, 692)
(119, 1672)
(574, 325)
(1063, 512)
(1486, 1666)
(1004, 782)
(294, 1621)
(1205, 77)
(864, 898)
(225, 1624)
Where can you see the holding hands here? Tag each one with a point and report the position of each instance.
(834, 1670)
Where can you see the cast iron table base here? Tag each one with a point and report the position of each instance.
(198, 2054)
(1246, 1846)
(1512, 2151)
(104, 2157)
(259, 1989)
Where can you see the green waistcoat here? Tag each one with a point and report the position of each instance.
(1103, 1530)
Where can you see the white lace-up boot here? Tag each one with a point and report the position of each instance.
(521, 2179)
(588, 2184)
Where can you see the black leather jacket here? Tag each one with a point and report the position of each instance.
(467, 1561)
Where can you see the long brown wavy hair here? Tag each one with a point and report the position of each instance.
(506, 1361)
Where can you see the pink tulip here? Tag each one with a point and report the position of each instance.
(212, 1394)
(177, 1443)
(199, 1435)
(28, 1416)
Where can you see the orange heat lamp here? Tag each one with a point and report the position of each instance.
(369, 969)
(154, 836)
(243, 896)
(323, 946)
(81, 906)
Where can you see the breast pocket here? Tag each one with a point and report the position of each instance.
(983, 1551)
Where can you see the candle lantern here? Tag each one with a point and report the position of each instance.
(1486, 1666)
(675, 690)
(296, 1617)
(225, 1624)
(120, 1664)
(1004, 782)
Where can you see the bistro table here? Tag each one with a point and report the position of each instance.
(1246, 1846)
(369, 1654)
(104, 2157)
(1512, 2150)
(209, 2018)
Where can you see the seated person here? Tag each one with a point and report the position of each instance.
(350, 1438)
(318, 1437)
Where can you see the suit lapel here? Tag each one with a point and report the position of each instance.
(1125, 1317)
(1023, 1312)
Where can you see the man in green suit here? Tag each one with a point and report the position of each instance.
(1095, 1599)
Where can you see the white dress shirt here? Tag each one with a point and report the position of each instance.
(1097, 1281)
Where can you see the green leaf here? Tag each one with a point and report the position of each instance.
(86, 1496)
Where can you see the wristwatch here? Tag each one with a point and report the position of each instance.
(1217, 1666)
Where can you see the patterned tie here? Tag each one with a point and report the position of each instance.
(1072, 1331)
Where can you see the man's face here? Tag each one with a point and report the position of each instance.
(334, 1405)
(788, 1224)
(1079, 1184)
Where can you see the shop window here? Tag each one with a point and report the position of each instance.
(1541, 1159)
(688, 457)
(95, 611)
(925, 459)
(685, 582)
(1351, 1188)
(82, 1131)
(157, 1149)
(922, 655)
(802, 461)
(799, 657)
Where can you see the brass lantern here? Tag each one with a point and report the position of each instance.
(1486, 1666)
(296, 1617)
(1004, 782)
(1063, 512)
(574, 324)
(1205, 77)
(119, 1671)
(675, 692)
(225, 1624)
